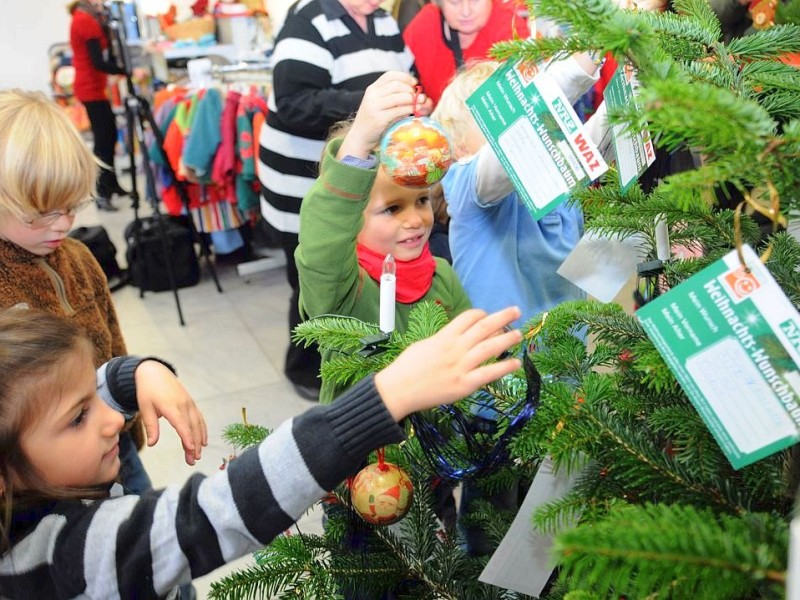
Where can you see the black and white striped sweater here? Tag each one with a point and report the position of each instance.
(143, 547)
(322, 64)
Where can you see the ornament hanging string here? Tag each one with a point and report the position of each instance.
(738, 241)
(381, 453)
(418, 91)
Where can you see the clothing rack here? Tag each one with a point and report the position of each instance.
(251, 72)
(256, 72)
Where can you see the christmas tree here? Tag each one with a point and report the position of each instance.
(658, 511)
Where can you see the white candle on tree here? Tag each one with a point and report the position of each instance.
(387, 298)
(663, 250)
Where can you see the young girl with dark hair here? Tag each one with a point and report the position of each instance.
(66, 533)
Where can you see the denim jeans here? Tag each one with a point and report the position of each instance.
(132, 475)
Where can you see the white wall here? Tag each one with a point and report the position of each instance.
(27, 29)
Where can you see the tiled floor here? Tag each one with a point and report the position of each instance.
(229, 355)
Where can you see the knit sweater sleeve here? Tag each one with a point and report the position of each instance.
(331, 216)
(116, 384)
(142, 547)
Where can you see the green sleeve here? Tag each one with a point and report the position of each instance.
(331, 216)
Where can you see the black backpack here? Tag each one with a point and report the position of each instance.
(100, 245)
(147, 261)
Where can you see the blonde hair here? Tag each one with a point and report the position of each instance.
(44, 163)
(451, 111)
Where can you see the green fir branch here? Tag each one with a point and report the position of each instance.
(689, 439)
(244, 435)
(344, 334)
(581, 17)
(766, 43)
(772, 74)
(788, 12)
(783, 105)
(696, 554)
(783, 265)
(701, 15)
(425, 319)
(703, 116)
(692, 39)
(561, 513)
(346, 370)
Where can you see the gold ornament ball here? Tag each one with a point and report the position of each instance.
(381, 493)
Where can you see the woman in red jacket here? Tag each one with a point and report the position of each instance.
(89, 41)
(447, 34)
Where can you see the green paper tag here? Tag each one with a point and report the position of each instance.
(537, 136)
(634, 152)
(731, 338)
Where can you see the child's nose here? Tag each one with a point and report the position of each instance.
(113, 421)
(63, 222)
(413, 219)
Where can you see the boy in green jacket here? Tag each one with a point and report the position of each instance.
(355, 215)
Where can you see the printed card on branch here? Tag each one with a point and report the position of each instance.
(635, 151)
(732, 338)
(537, 136)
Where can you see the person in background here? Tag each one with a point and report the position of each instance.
(67, 533)
(88, 38)
(326, 54)
(447, 34)
(404, 11)
(500, 252)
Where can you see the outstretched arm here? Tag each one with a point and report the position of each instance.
(145, 546)
(148, 386)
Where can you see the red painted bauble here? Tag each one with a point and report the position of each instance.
(382, 493)
(415, 152)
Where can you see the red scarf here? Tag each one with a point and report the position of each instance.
(414, 277)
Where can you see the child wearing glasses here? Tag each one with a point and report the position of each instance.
(47, 174)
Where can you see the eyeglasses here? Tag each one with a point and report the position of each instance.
(50, 218)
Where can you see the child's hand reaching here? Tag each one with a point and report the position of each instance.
(448, 365)
(392, 97)
(160, 394)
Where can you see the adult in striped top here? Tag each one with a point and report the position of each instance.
(326, 54)
(70, 536)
